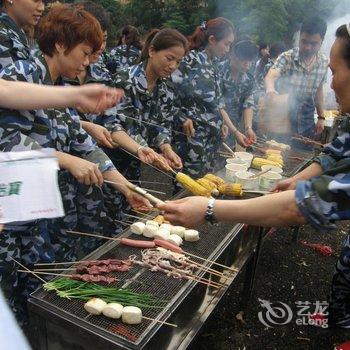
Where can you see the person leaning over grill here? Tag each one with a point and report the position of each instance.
(199, 86)
(66, 36)
(238, 87)
(106, 129)
(147, 111)
(15, 16)
(301, 73)
(319, 195)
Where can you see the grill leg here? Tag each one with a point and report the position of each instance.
(251, 268)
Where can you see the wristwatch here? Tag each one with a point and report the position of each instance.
(209, 214)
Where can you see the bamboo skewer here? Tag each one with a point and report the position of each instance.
(259, 174)
(118, 239)
(26, 269)
(146, 189)
(126, 223)
(143, 214)
(69, 276)
(228, 148)
(136, 217)
(150, 182)
(207, 269)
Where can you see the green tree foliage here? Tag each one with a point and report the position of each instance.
(268, 20)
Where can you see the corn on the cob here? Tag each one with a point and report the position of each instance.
(208, 185)
(216, 179)
(159, 219)
(276, 159)
(258, 162)
(232, 189)
(192, 186)
(269, 152)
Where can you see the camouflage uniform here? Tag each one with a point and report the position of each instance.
(155, 107)
(13, 42)
(237, 95)
(199, 86)
(51, 128)
(122, 57)
(114, 202)
(325, 199)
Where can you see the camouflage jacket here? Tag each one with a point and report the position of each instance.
(198, 84)
(57, 128)
(238, 94)
(98, 73)
(326, 198)
(146, 116)
(13, 42)
(122, 57)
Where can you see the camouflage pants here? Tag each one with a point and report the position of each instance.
(339, 302)
(28, 243)
(198, 153)
(84, 211)
(130, 168)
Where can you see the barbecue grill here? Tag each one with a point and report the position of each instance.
(64, 324)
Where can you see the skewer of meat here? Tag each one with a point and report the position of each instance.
(84, 278)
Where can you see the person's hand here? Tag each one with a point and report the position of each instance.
(242, 139)
(224, 131)
(96, 98)
(161, 162)
(319, 127)
(100, 134)
(250, 135)
(188, 128)
(285, 185)
(146, 155)
(137, 202)
(85, 172)
(188, 212)
(172, 158)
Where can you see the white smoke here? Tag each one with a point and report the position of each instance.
(340, 16)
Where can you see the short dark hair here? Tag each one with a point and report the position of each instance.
(314, 25)
(245, 50)
(342, 33)
(277, 48)
(70, 26)
(99, 12)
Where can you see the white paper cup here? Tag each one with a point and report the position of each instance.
(246, 157)
(231, 170)
(243, 178)
(235, 161)
(274, 169)
(269, 179)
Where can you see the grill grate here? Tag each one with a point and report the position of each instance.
(141, 280)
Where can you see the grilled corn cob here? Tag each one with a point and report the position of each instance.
(192, 186)
(258, 162)
(216, 179)
(208, 185)
(232, 189)
(276, 159)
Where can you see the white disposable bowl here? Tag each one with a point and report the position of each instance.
(246, 157)
(235, 161)
(274, 169)
(231, 170)
(243, 178)
(269, 179)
